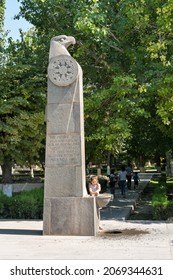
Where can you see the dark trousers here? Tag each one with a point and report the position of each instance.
(129, 181)
(123, 186)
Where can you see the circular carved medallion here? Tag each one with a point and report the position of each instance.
(62, 70)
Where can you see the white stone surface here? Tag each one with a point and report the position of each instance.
(24, 240)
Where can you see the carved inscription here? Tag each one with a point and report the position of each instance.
(63, 150)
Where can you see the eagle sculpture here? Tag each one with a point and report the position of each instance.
(59, 45)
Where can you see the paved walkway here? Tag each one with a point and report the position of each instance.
(120, 208)
(120, 239)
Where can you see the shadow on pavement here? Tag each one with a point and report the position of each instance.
(21, 232)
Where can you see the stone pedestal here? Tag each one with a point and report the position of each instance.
(71, 216)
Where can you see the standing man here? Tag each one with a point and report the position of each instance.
(122, 180)
(129, 176)
(112, 182)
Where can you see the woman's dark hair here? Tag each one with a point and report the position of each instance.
(123, 168)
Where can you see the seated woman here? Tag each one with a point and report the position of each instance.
(94, 186)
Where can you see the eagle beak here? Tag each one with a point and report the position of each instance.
(72, 40)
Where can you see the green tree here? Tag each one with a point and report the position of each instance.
(2, 10)
(124, 48)
(22, 104)
(152, 59)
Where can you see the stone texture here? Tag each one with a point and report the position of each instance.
(63, 181)
(71, 216)
(63, 117)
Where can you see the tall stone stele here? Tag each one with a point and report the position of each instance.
(68, 210)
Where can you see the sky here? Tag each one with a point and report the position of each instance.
(12, 8)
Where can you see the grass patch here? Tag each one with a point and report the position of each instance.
(156, 201)
(161, 201)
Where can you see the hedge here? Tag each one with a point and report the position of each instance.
(23, 205)
(162, 207)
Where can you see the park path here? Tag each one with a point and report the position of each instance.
(120, 208)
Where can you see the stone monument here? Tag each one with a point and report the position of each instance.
(68, 210)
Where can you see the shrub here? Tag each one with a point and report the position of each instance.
(163, 178)
(24, 205)
(5, 203)
(103, 180)
(160, 202)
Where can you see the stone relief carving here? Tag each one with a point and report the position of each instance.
(62, 70)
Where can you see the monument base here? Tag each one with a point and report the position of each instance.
(70, 216)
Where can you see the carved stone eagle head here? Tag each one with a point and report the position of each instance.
(64, 40)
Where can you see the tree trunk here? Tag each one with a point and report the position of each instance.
(141, 164)
(158, 161)
(32, 171)
(169, 164)
(6, 173)
(108, 163)
(7, 179)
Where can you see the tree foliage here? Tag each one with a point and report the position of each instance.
(2, 9)
(125, 50)
(22, 103)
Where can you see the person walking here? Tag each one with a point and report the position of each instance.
(129, 176)
(112, 182)
(122, 179)
(136, 180)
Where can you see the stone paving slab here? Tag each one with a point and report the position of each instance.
(119, 240)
